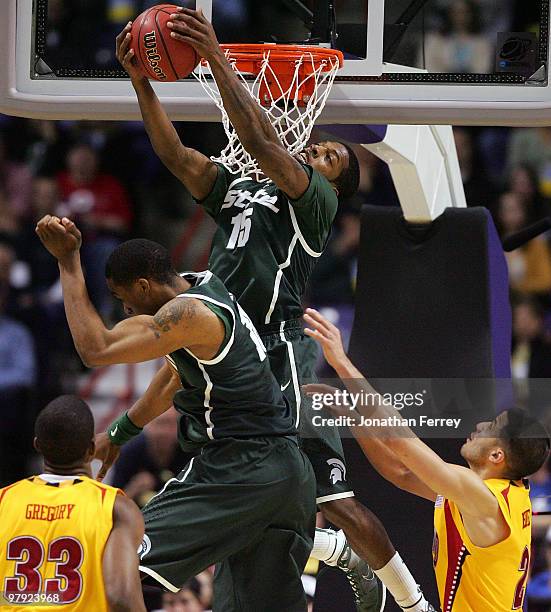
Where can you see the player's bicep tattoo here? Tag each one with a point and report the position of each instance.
(171, 314)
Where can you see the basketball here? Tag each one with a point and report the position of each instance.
(160, 56)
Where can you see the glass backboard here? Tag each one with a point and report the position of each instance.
(407, 61)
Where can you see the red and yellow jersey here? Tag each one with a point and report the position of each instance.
(492, 579)
(51, 544)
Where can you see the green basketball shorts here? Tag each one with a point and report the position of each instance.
(293, 357)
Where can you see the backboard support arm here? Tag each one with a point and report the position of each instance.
(394, 32)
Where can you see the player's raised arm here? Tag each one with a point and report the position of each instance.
(120, 561)
(196, 171)
(253, 127)
(379, 454)
(178, 323)
(454, 482)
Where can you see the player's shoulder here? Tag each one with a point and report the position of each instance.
(100, 488)
(13, 487)
(126, 512)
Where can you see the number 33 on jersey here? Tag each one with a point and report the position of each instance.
(51, 553)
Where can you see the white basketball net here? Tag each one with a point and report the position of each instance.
(293, 122)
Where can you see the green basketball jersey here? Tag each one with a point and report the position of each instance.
(234, 394)
(266, 245)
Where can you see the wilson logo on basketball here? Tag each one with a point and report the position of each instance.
(153, 57)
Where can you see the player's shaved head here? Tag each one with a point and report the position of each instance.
(140, 258)
(64, 431)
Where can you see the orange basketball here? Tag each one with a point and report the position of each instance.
(160, 56)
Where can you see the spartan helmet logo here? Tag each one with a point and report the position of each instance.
(338, 470)
(145, 547)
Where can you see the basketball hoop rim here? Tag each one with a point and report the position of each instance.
(282, 54)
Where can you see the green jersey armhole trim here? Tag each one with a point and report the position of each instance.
(310, 174)
(301, 238)
(228, 342)
(171, 363)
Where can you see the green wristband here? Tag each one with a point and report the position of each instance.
(122, 430)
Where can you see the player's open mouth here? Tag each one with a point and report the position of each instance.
(302, 156)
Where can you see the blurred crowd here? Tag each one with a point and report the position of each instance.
(106, 177)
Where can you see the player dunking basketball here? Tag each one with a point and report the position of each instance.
(68, 542)
(268, 240)
(482, 514)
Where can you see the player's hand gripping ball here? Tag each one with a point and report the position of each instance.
(155, 52)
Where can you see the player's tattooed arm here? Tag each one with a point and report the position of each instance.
(180, 323)
(171, 314)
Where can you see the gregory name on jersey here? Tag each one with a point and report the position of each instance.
(40, 512)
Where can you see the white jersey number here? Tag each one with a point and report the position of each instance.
(241, 229)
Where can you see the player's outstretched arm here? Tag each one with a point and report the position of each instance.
(121, 576)
(454, 482)
(179, 323)
(379, 454)
(196, 171)
(253, 127)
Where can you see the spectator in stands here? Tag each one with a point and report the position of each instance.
(15, 183)
(100, 206)
(523, 181)
(530, 265)
(532, 147)
(334, 277)
(43, 268)
(39, 300)
(206, 579)
(540, 489)
(9, 223)
(150, 459)
(46, 144)
(460, 46)
(188, 599)
(539, 586)
(531, 356)
(479, 189)
(17, 376)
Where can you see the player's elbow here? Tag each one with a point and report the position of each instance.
(92, 358)
(95, 350)
(119, 604)
(403, 478)
(120, 591)
(398, 475)
(122, 601)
